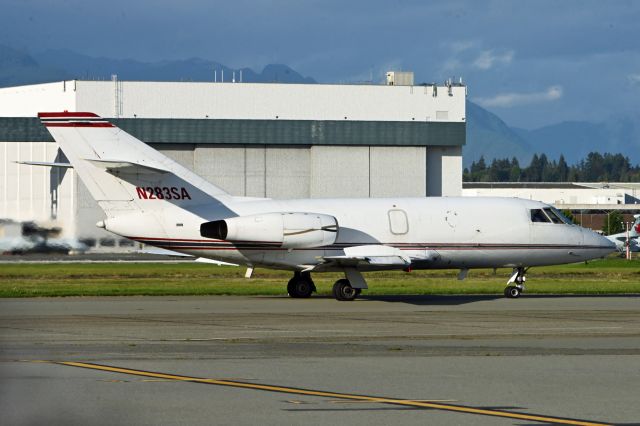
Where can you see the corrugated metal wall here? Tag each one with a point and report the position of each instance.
(261, 132)
(302, 172)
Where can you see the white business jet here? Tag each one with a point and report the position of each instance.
(622, 240)
(150, 198)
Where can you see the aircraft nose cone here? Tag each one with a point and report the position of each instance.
(598, 242)
(605, 242)
(609, 243)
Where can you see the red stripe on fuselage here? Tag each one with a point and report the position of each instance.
(203, 241)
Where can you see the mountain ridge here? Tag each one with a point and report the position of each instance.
(190, 69)
(487, 135)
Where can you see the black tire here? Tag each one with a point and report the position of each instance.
(343, 291)
(300, 288)
(512, 292)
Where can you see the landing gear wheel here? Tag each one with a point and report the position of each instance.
(512, 292)
(515, 285)
(300, 286)
(343, 291)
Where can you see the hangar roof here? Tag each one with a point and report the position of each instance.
(248, 113)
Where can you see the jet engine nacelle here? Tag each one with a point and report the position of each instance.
(287, 230)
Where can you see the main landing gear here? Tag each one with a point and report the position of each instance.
(343, 291)
(515, 285)
(350, 287)
(301, 285)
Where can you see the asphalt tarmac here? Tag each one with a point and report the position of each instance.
(273, 360)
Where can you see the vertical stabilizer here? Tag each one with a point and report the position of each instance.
(122, 173)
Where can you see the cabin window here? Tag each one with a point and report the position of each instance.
(398, 223)
(537, 215)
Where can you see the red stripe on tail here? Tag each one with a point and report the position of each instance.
(67, 114)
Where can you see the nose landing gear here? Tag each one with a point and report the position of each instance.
(512, 291)
(515, 285)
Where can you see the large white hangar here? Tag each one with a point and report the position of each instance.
(252, 139)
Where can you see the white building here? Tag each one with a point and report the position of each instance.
(251, 139)
(600, 196)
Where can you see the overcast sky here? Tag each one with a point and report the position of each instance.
(533, 63)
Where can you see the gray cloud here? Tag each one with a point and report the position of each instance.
(488, 58)
(578, 44)
(634, 78)
(505, 100)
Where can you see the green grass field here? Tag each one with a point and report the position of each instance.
(609, 276)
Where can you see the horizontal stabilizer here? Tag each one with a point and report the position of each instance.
(121, 166)
(162, 252)
(165, 252)
(214, 262)
(46, 164)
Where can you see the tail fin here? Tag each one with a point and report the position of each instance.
(122, 173)
(635, 228)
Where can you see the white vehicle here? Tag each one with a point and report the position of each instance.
(150, 198)
(620, 240)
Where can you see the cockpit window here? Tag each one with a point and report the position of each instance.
(553, 216)
(561, 216)
(549, 215)
(537, 215)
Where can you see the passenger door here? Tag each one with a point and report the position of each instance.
(398, 222)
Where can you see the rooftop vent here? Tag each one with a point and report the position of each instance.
(400, 78)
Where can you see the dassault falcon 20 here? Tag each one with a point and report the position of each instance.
(150, 198)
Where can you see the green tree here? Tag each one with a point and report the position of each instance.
(595, 167)
(563, 169)
(550, 172)
(500, 170)
(571, 217)
(515, 174)
(533, 173)
(613, 223)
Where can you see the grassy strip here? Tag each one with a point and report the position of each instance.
(609, 276)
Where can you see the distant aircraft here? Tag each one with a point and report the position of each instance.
(29, 237)
(150, 198)
(620, 239)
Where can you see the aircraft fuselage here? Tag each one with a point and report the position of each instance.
(438, 232)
